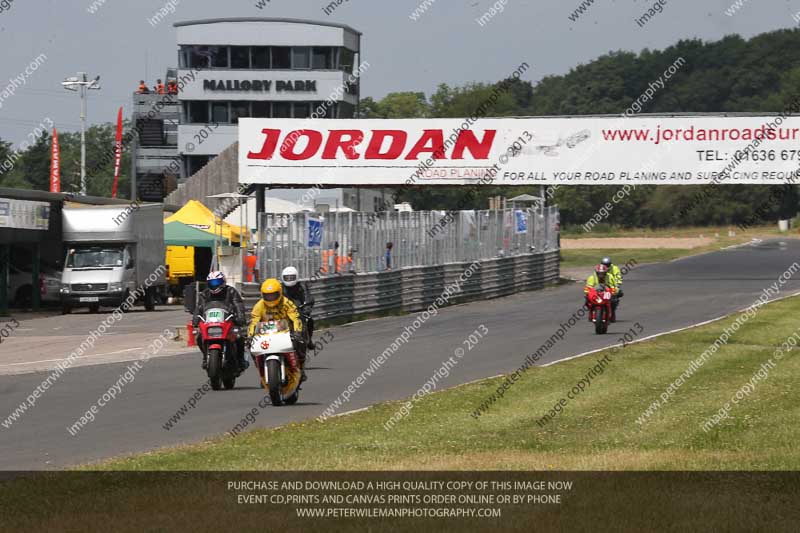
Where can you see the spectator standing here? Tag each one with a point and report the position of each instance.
(388, 255)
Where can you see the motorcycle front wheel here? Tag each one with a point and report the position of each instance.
(215, 368)
(273, 373)
(600, 321)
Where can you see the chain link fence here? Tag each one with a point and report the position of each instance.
(320, 245)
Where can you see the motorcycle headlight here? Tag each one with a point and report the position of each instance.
(599, 300)
(215, 331)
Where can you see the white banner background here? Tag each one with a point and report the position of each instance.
(677, 150)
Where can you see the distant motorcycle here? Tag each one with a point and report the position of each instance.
(600, 311)
(219, 334)
(276, 359)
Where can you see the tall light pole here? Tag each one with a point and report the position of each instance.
(81, 83)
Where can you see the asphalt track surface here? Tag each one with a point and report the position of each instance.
(661, 297)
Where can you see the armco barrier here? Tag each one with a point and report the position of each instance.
(414, 289)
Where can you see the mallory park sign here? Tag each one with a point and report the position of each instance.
(280, 86)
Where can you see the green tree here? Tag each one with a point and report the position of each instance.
(397, 105)
(34, 165)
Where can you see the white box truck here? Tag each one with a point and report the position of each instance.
(114, 254)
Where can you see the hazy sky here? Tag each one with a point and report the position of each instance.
(445, 45)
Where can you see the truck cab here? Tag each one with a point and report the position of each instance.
(97, 274)
(114, 256)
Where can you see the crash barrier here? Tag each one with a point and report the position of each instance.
(415, 288)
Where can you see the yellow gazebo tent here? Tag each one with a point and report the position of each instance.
(198, 216)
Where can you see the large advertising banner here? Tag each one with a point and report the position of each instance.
(674, 150)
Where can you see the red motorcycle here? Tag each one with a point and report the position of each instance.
(219, 335)
(598, 300)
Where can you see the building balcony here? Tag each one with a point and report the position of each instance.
(156, 107)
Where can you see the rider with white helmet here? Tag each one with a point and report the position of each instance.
(299, 293)
(218, 290)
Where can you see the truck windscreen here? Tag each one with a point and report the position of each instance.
(94, 257)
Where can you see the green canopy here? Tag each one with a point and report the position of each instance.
(179, 234)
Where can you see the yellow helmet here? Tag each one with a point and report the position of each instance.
(271, 292)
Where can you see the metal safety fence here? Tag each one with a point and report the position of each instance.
(416, 288)
(330, 244)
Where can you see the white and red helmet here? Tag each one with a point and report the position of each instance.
(216, 281)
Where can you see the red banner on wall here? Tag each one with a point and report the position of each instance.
(55, 164)
(117, 154)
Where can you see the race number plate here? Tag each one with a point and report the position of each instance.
(215, 315)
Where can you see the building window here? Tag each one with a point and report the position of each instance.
(267, 57)
(219, 56)
(219, 112)
(239, 110)
(301, 57)
(345, 110)
(281, 110)
(194, 56)
(322, 58)
(194, 163)
(323, 109)
(197, 112)
(262, 110)
(302, 110)
(346, 60)
(260, 57)
(281, 57)
(240, 57)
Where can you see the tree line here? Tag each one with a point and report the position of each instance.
(31, 167)
(729, 75)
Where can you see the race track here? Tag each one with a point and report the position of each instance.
(660, 297)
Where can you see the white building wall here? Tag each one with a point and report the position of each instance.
(260, 33)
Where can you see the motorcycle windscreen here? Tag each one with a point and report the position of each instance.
(216, 315)
(272, 326)
(268, 341)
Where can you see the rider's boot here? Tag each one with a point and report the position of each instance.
(204, 364)
(241, 357)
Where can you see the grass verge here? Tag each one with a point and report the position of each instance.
(601, 231)
(598, 430)
(590, 257)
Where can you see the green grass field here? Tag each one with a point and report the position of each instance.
(590, 257)
(598, 430)
(602, 230)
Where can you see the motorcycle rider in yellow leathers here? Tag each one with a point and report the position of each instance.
(274, 304)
